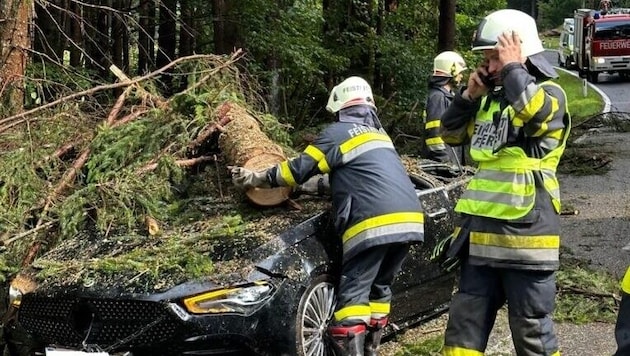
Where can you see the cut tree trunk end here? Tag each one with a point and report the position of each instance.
(244, 144)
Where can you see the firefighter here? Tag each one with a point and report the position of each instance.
(517, 123)
(376, 211)
(622, 328)
(447, 75)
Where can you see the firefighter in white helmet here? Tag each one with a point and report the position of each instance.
(448, 68)
(375, 209)
(517, 123)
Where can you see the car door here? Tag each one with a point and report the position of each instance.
(422, 287)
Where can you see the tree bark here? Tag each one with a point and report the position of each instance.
(446, 30)
(244, 144)
(14, 46)
(167, 33)
(225, 27)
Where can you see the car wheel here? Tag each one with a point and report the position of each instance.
(315, 312)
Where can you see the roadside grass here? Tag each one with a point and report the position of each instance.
(581, 107)
(428, 347)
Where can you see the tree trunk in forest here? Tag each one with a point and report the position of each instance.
(245, 145)
(446, 30)
(118, 31)
(225, 28)
(14, 46)
(76, 34)
(167, 33)
(186, 30)
(46, 36)
(146, 53)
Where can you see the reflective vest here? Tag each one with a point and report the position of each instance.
(625, 284)
(504, 186)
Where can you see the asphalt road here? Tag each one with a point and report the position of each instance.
(600, 233)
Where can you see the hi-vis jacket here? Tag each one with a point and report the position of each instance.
(374, 200)
(517, 135)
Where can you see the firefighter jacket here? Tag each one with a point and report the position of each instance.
(517, 135)
(438, 100)
(373, 199)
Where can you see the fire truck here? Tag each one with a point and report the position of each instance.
(601, 43)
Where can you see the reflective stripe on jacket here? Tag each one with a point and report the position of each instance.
(517, 135)
(504, 186)
(625, 284)
(374, 200)
(438, 100)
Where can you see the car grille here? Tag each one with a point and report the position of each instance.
(105, 322)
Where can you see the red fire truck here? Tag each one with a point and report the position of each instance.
(602, 43)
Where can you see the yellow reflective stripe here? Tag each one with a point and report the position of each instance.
(496, 186)
(315, 153)
(285, 173)
(515, 241)
(382, 220)
(459, 351)
(366, 147)
(375, 232)
(323, 166)
(513, 163)
(354, 312)
(318, 156)
(533, 255)
(361, 139)
(625, 284)
(432, 124)
(534, 104)
(434, 141)
(380, 308)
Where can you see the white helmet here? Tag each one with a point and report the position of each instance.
(352, 91)
(448, 64)
(498, 22)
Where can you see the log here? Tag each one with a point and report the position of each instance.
(244, 144)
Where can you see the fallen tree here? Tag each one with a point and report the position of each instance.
(145, 171)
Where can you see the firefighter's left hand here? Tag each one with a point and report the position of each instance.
(316, 185)
(509, 48)
(244, 178)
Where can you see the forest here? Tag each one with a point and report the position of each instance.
(294, 50)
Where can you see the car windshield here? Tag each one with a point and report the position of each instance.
(612, 30)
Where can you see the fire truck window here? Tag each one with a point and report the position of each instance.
(612, 30)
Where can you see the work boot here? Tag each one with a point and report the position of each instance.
(374, 335)
(348, 340)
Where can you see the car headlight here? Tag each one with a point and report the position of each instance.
(600, 60)
(15, 296)
(242, 299)
(19, 286)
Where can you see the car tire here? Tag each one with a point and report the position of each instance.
(315, 312)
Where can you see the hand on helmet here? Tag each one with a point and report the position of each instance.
(509, 48)
(244, 178)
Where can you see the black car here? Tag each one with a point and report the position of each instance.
(280, 304)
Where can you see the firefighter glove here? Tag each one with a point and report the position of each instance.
(244, 178)
(316, 185)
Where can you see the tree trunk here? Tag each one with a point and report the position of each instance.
(446, 30)
(146, 59)
(225, 26)
(167, 34)
(186, 30)
(14, 46)
(76, 34)
(245, 145)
